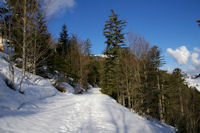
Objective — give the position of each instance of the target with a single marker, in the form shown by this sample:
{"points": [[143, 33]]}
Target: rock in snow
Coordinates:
{"points": [[43, 109]]}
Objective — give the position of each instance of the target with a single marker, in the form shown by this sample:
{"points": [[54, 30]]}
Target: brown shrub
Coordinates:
{"points": [[1, 47], [61, 89]]}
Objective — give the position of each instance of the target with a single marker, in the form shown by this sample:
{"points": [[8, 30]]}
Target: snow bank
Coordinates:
{"points": [[91, 112], [11, 99]]}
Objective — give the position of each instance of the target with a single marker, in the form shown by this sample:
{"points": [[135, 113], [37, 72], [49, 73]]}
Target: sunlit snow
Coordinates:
{"points": [[43, 109]]}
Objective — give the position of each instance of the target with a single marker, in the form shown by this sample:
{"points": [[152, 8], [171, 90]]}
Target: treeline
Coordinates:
{"points": [[24, 30], [132, 75], [129, 71], [31, 47], [72, 59]]}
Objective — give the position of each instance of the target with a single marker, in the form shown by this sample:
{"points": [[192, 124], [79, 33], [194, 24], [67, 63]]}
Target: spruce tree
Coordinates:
{"points": [[62, 47], [94, 67], [152, 90], [61, 59], [113, 32]]}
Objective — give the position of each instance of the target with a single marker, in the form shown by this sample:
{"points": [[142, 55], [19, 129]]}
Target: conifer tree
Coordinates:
{"points": [[62, 47], [94, 71], [152, 92], [113, 32], [61, 59]]}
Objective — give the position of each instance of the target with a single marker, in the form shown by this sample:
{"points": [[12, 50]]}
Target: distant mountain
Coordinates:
{"points": [[195, 76], [100, 55], [193, 81]]}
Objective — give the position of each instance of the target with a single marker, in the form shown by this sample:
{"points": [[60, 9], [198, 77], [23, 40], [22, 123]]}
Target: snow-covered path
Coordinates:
{"points": [[92, 112]]}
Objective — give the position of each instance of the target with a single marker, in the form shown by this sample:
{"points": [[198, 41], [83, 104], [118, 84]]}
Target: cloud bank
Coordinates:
{"points": [[188, 58], [181, 54], [57, 7], [195, 60]]}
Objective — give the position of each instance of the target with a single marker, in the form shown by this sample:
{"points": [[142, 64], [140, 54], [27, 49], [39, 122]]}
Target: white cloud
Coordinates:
{"points": [[196, 49], [190, 69], [56, 7], [187, 58], [181, 54], [195, 60]]}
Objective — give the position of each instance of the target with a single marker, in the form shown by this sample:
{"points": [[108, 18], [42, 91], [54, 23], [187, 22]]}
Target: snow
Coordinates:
{"points": [[193, 82], [100, 55], [87, 113], [43, 109], [68, 87], [39, 89]]}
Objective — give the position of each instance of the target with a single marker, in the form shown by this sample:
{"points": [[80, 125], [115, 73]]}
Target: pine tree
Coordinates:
{"points": [[63, 44], [61, 59], [113, 32], [94, 68], [153, 103]]}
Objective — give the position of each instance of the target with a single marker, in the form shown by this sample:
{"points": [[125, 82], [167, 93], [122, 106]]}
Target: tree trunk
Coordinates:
{"points": [[163, 99], [24, 42], [34, 70], [23, 46], [127, 88], [181, 101], [34, 55], [123, 100], [160, 99]]}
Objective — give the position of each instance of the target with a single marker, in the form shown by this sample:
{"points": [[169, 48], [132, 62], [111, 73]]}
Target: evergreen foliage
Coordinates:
{"points": [[63, 44], [130, 74], [113, 32]]}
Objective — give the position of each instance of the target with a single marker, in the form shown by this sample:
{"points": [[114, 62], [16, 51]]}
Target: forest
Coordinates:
{"points": [[129, 69]]}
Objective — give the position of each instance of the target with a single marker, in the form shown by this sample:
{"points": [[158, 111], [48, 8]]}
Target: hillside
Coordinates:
{"points": [[43, 109], [193, 82]]}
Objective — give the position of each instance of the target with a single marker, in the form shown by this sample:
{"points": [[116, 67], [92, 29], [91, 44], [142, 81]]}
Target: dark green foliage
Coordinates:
{"points": [[37, 37], [132, 75], [94, 74], [60, 59], [74, 58], [180, 103], [154, 61], [63, 44], [138, 83], [114, 40]]}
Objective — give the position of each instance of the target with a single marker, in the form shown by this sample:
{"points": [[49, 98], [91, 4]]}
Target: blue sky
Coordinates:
{"points": [[165, 23]]}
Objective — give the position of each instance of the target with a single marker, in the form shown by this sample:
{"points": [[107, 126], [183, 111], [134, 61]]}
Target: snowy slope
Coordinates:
{"points": [[10, 99], [92, 112], [43, 109], [193, 82]]}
